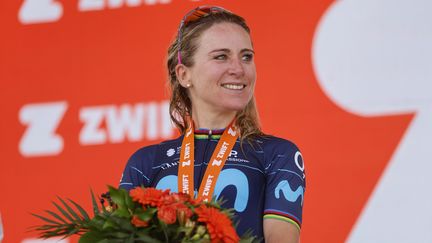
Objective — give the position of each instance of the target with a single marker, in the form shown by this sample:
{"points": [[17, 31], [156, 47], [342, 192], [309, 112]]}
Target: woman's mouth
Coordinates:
{"points": [[234, 86]]}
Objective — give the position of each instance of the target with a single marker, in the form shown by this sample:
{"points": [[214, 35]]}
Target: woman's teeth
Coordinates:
{"points": [[234, 86]]}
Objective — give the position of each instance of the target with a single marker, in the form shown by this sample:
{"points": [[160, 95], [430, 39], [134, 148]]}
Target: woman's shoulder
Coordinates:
{"points": [[282, 155], [274, 143]]}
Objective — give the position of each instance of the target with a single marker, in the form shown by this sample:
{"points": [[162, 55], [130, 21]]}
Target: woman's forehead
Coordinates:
{"points": [[226, 36]]}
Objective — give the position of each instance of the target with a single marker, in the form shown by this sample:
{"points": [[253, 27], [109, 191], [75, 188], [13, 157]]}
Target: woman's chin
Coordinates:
{"points": [[234, 107]]}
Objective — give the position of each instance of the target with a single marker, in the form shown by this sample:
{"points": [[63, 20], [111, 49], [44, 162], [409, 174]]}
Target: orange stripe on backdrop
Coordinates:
{"points": [[110, 61]]}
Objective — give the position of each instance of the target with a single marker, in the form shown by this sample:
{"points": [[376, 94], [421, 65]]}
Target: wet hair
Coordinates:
{"points": [[247, 120]]}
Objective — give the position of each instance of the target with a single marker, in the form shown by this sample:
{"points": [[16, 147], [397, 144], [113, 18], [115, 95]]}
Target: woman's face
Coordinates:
{"points": [[223, 75]]}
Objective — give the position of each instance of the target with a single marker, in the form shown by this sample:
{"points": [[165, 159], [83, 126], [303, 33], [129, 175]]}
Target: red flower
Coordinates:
{"points": [[196, 201], [138, 222], [167, 214], [176, 207], [173, 206], [174, 198], [182, 197], [167, 200], [148, 196], [137, 193], [182, 209], [218, 224], [184, 213]]}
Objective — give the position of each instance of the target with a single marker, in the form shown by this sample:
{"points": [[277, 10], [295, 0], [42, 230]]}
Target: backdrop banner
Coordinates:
{"points": [[83, 86]]}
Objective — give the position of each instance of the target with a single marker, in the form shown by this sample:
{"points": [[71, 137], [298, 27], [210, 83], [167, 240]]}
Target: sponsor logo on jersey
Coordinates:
{"points": [[170, 152], [289, 194]]}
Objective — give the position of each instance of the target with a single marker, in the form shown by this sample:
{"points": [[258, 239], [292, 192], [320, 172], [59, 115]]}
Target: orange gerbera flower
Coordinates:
{"points": [[181, 197], [167, 200], [196, 201], [167, 214], [137, 193], [218, 225], [148, 196], [183, 210]]}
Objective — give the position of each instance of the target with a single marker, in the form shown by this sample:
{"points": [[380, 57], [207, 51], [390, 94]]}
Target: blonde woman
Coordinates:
{"points": [[222, 151]]}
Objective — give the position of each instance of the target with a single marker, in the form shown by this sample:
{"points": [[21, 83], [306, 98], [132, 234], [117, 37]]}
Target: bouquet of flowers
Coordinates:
{"points": [[142, 215]]}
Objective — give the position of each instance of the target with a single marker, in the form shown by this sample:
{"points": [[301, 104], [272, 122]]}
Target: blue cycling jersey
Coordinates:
{"points": [[264, 179]]}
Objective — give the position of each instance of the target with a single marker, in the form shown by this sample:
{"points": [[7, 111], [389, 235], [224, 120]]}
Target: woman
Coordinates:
{"points": [[222, 151]]}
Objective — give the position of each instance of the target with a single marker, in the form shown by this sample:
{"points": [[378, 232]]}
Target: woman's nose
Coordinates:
{"points": [[236, 67]]}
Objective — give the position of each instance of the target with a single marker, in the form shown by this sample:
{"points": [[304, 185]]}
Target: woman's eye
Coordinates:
{"points": [[221, 57], [247, 57]]}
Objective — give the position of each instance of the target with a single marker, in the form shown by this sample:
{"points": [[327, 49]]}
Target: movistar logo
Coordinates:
{"points": [[288, 193]]}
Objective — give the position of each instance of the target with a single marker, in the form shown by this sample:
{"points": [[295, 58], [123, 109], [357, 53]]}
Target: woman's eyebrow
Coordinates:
{"points": [[228, 50], [220, 50], [247, 50]]}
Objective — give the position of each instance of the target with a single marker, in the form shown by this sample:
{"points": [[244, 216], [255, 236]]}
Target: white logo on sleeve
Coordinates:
{"points": [[233, 154], [40, 11], [42, 120], [170, 152], [298, 159]]}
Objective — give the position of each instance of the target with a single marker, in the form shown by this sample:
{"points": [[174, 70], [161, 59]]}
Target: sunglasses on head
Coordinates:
{"points": [[192, 16]]}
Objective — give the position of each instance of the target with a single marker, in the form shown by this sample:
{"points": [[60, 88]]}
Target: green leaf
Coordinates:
{"points": [[94, 203], [123, 223], [56, 216], [63, 212], [109, 241], [96, 223], [130, 239], [120, 235], [248, 237], [109, 224], [91, 237], [249, 240], [70, 210], [128, 201], [72, 232], [146, 238], [82, 211], [121, 212], [117, 196], [148, 214], [47, 219]]}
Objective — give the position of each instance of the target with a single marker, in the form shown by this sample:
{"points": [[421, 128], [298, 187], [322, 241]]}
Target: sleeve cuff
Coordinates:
{"points": [[268, 214]]}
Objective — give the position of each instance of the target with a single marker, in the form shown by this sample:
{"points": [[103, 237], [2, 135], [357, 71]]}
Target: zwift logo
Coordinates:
{"points": [[48, 11], [100, 125]]}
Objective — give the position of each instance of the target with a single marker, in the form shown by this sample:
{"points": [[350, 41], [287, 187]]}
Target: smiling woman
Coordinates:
{"points": [[212, 77], [222, 78]]}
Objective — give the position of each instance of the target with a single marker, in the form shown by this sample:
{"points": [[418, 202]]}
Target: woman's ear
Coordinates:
{"points": [[183, 75]]}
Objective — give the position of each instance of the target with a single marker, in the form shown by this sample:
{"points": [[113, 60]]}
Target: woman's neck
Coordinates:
{"points": [[212, 120]]}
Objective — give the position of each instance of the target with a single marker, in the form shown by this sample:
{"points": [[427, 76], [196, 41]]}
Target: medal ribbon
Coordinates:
{"points": [[214, 167]]}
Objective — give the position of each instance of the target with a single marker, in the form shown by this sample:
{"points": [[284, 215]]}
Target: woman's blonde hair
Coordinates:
{"points": [[247, 120]]}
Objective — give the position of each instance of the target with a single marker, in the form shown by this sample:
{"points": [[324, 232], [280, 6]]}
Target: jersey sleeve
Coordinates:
{"points": [[285, 184], [138, 168]]}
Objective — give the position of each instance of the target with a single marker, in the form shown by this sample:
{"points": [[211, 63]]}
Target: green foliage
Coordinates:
{"points": [[65, 224], [112, 223]]}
